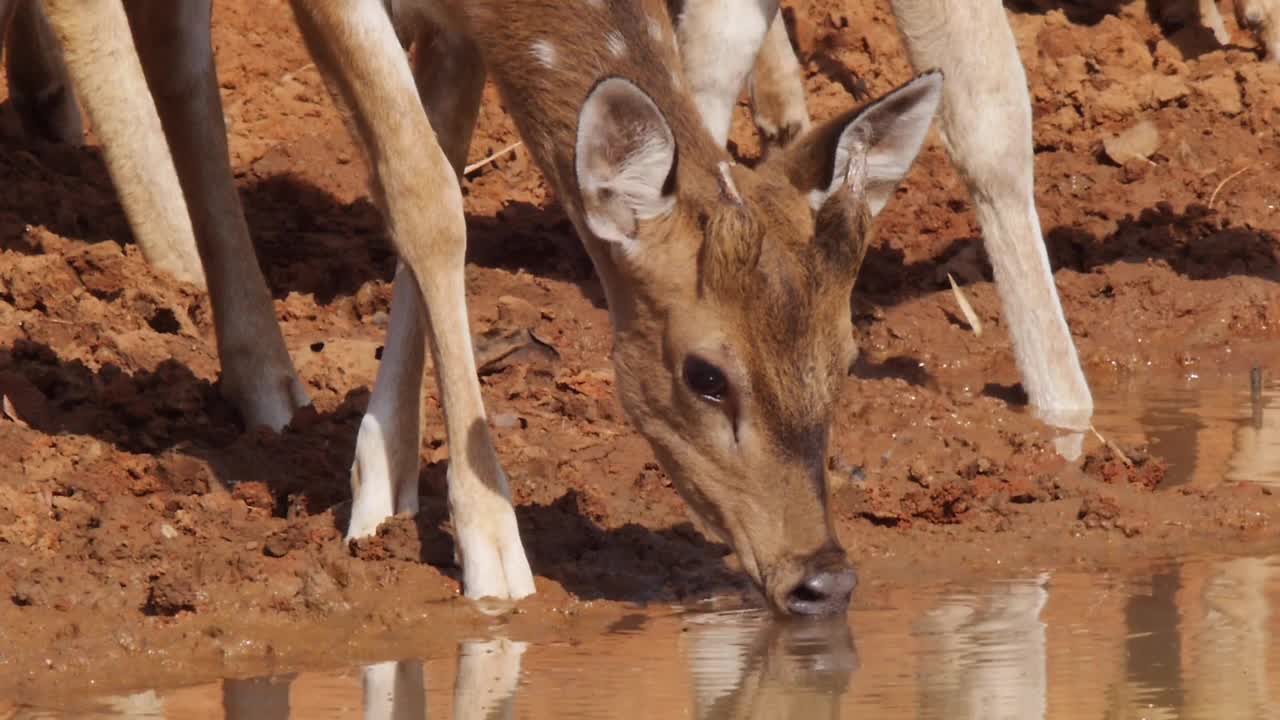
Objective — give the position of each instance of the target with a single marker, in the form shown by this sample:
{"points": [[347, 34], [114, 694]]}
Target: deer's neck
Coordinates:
{"points": [[547, 55]]}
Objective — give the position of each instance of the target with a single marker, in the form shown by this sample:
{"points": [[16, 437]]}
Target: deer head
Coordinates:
{"points": [[729, 288]]}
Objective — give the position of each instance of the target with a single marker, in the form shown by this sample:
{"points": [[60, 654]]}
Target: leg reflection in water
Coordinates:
{"points": [[983, 657], [744, 668]]}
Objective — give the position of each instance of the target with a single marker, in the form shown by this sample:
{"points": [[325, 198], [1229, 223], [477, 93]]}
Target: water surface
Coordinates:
{"points": [[1195, 639]]}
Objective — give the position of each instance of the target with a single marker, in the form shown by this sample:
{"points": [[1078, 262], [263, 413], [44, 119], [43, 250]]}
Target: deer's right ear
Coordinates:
{"points": [[625, 154]]}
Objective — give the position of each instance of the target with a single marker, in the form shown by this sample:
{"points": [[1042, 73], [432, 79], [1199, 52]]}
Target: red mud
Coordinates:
{"points": [[138, 521]]}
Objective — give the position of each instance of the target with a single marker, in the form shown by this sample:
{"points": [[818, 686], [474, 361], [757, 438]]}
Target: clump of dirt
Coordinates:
{"points": [[1113, 465], [139, 520]]}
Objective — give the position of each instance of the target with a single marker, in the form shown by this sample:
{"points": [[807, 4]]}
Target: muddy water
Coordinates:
{"points": [[1208, 427], [1195, 639]]}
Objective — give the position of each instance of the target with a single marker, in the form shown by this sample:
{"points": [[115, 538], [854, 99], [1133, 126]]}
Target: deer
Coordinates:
{"points": [[727, 285]]}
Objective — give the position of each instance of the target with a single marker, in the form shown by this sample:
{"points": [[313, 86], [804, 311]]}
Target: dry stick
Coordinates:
{"points": [[1225, 180], [1114, 448], [969, 315], [477, 165]]}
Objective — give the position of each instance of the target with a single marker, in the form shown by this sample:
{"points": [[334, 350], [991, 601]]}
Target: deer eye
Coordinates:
{"points": [[705, 379]]}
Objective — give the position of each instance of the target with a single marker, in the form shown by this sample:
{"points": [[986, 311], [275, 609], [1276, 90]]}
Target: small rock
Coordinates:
{"points": [[1134, 169], [1138, 142], [277, 545], [918, 473], [1167, 88], [506, 421], [167, 531], [1222, 92]]}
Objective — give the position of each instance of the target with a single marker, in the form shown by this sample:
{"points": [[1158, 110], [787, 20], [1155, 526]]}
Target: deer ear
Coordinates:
{"points": [[883, 137], [625, 155]]}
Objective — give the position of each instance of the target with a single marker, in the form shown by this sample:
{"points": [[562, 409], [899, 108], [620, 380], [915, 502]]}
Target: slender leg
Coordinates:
{"points": [[719, 41], [394, 690], [777, 89], [1263, 17], [488, 675], [108, 78], [986, 122], [177, 54], [414, 183], [39, 85], [260, 698], [1212, 19], [384, 477]]}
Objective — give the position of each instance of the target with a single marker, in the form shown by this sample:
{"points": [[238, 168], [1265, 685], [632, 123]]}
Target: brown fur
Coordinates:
{"points": [[765, 278]]}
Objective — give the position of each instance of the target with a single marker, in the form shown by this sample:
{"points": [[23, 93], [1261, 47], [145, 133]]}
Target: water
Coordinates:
{"points": [[1196, 639], [1208, 428]]}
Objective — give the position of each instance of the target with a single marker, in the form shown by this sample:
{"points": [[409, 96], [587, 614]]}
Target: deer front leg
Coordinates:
{"points": [[719, 41], [384, 477], [487, 679], [107, 75], [354, 41], [777, 89], [177, 55], [39, 85], [260, 698], [394, 690], [986, 123]]}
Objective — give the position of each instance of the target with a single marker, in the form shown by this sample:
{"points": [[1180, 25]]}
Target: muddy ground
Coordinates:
{"points": [[139, 523]]}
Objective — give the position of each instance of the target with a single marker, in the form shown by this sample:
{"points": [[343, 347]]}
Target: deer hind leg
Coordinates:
{"points": [[177, 55], [776, 89], [384, 476], [986, 123], [354, 41], [719, 41], [108, 78], [39, 85], [1263, 17]]}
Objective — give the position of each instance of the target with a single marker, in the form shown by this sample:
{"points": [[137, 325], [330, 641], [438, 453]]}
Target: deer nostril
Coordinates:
{"points": [[825, 592]]}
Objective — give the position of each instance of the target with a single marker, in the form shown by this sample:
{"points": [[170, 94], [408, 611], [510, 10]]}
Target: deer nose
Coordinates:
{"points": [[824, 590]]}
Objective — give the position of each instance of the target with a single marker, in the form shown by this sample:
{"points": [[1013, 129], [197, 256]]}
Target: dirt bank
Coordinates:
{"points": [[138, 521]]}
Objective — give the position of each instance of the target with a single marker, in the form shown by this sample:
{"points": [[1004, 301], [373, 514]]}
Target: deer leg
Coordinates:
{"points": [[108, 78], [719, 41], [384, 477], [1212, 19], [260, 698], [394, 690], [986, 123], [776, 89], [354, 41], [177, 55], [487, 679], [1263, 18], [39, 85]]}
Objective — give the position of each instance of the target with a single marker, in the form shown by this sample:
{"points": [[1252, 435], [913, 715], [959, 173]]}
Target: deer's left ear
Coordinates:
{"points": [[884, 137], [625, 154]]}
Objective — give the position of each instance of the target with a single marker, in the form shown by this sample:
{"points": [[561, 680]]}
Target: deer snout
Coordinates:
{"points": [[824, 588]]}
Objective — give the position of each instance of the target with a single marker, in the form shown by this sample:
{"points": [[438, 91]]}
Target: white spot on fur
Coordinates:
{"points": [[617, 46], [545, 52], [676, 81], [597, 4], [655, 31]]}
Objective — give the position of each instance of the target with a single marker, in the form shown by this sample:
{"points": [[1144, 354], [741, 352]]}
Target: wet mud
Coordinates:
{"points": [[142, 530]]}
